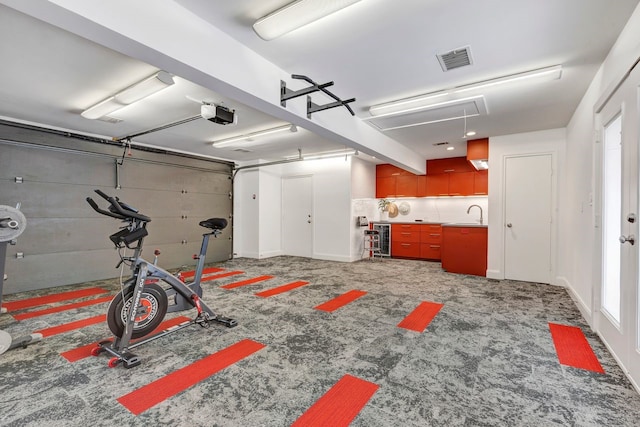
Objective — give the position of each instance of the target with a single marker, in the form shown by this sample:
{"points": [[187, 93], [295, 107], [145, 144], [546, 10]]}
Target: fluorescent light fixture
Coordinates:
{"points": [[325, 155], [136, 92], [548, 73], [251, 136], [423, 102], [405, 105], [415, 108], [295, 15]]}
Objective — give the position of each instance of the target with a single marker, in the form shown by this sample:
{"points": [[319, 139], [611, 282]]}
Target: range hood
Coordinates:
{"points": [[478, 153]]}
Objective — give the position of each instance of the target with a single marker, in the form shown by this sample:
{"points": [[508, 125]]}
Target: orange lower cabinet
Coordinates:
{"points": [[464, 250], [405, 249], [430, 251]]}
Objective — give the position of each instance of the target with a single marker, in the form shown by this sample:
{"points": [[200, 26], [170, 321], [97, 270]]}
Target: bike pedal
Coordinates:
{"points": [[226, 321]]}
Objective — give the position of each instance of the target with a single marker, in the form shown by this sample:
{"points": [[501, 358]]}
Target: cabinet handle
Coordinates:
{"points": [[449, 170], [406, 234], [436, 234], [405, 244], [434, 246]]}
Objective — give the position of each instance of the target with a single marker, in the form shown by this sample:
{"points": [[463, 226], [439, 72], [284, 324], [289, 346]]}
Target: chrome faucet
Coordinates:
{"points": [[479, 207]]}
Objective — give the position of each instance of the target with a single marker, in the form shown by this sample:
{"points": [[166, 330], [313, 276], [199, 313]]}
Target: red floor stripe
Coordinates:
{"points": [[48, 299], [246, 282], [573, 349], [419, 319], [66, 327], [153, 393], [221, 275], [340, 405], [340, 301], [281, 289], [83, 352], [192, 273], [31, 314]]}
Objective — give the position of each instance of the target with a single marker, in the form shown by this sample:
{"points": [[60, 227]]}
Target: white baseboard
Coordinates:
{"points": [[619, 362], [495, 274], [270, 254], [329, 257], [584, 308]]}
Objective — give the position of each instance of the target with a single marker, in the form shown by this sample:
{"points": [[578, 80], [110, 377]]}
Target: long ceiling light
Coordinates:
{"points": [[251, 136], [417, 103], [541, 74], [405, 105], [136, 92], [295, 15], [325, 155]]}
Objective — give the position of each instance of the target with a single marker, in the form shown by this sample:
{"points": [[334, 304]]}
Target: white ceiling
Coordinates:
{"points": [[373, 51]]}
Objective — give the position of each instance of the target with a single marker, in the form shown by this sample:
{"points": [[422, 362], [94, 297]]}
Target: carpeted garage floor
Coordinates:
{"points": [[486, 358]]}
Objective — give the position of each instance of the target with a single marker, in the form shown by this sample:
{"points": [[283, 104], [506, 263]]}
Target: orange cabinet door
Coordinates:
{"points": [[405, 249], [385, 186], [430, 251], [461, 184], [438, 185], [406, 186], [387, 170], [464, 250], [481, 183], [422, 186]]}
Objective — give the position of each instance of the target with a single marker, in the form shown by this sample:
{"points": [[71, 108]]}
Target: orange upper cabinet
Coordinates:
{"points": [[461, 184], [478, 153], [481, 183], [406, 186], [445, 177]]}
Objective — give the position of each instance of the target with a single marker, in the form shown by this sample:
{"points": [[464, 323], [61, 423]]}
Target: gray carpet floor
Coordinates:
{"points": [[486, 359]]}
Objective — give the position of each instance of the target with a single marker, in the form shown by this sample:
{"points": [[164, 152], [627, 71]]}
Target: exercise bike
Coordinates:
{"points": [[140, 306]]}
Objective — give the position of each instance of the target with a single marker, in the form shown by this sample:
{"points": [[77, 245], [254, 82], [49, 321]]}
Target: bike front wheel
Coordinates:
{"points": [[149, 313]]}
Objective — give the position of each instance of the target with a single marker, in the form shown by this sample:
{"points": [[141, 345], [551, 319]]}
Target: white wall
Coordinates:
{"points": [[579, 250], [548, 141], [258, 226]]}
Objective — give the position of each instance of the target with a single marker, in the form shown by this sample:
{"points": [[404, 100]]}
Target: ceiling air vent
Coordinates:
{"points": [[438, 144], [455, 59], [242, 150]]}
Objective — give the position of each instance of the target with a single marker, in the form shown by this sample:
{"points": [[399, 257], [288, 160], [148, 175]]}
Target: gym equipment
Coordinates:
{"points": [[150, 292], [12, 225]]}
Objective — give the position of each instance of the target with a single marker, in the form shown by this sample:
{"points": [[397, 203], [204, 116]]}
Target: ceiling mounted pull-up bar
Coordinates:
{"points": [[286, 94]]}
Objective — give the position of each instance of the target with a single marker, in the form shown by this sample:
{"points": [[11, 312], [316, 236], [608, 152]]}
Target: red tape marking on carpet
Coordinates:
{"points": [[192, 273], [281, 289], [157, 391], [221, 275], [246, 282], [31, 314], [573, 349], [340, 405], [66, 327], [48, 299], [83, 352], [340, 301], [419, 319]]}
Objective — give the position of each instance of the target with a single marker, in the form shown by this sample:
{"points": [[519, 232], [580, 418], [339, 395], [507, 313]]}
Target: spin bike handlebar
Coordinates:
{"points": [[120, 211]]}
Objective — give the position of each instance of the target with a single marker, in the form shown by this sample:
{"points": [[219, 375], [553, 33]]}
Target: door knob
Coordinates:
{"points": [[630, 238], [509, 225]]}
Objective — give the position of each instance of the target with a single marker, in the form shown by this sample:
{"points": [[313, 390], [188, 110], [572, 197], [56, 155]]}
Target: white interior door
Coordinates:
{"points": [[616, 305], [528, 210], [297, 220]]}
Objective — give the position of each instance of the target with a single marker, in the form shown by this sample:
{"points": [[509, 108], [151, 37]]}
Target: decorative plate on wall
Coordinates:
{"points": [[393, 210], [404, 208]]}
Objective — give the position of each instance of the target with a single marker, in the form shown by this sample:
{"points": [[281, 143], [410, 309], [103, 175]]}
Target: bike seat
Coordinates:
{"points": [[214, 223]]}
